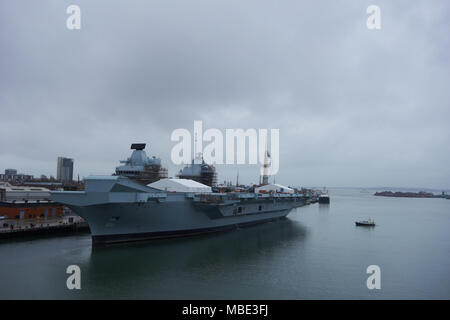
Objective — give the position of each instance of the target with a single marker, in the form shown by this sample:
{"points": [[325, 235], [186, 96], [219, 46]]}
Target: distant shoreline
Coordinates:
{"points": [[420, 194]]}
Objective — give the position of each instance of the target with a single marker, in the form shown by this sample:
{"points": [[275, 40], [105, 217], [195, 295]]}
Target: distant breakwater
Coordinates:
{"points": [[420, 194]]}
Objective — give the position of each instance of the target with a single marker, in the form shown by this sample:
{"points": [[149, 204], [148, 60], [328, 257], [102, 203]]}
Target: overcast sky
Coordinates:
{"points": [[355, 107]]}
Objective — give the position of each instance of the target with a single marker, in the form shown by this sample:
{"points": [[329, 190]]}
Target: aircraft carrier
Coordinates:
{"points": [[120, 209]]}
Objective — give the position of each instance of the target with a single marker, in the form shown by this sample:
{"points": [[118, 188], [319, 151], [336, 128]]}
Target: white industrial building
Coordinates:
{"points": [[268, 188], [9, 192], [180, 185]]}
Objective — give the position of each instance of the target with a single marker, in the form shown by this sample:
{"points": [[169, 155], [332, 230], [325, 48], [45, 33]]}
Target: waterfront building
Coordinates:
{"points": [[64, 172], [10, 172], [19, 202], [11, 175]]}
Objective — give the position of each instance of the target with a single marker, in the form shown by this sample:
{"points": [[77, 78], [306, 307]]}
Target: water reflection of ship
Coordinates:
{"points": [[199, 171], [141, 168], [212, 255]]}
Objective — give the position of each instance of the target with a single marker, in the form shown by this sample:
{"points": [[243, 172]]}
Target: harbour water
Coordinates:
{"points": [[316, 253]]}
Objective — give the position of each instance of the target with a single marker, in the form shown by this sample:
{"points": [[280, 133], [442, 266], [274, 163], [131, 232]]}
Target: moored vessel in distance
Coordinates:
{"points": [[365, 223], [121, 209], [324, 199]]}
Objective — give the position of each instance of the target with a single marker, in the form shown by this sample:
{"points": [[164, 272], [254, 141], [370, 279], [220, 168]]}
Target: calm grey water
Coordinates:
{"points": [[316, 253]]}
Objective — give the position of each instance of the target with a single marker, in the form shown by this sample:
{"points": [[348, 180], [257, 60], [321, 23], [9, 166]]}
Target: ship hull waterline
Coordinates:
{"points": [[121, 230], [103, 240]]}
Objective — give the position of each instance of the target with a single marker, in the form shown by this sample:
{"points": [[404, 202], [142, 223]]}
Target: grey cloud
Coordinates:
{"points": [[354, 107]]}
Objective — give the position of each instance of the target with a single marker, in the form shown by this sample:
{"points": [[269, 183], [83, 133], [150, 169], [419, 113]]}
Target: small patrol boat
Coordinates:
{"points": [[365, 223]]}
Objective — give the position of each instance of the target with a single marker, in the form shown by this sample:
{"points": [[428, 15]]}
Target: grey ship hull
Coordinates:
{"points": [[120, 210]]}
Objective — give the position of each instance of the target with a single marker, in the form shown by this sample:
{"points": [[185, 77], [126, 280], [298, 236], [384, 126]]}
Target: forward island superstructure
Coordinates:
{"points": [[141, 168]]}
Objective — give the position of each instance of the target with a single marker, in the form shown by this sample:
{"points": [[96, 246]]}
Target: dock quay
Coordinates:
{"points": [[10, 229]]}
